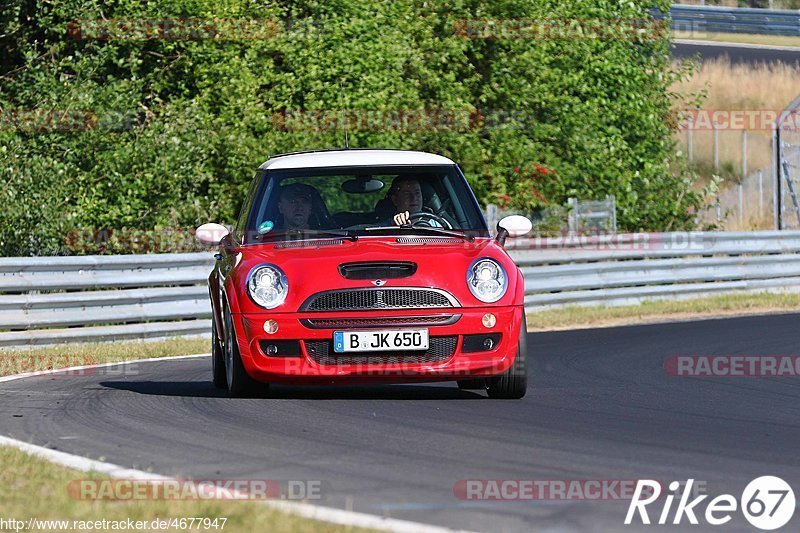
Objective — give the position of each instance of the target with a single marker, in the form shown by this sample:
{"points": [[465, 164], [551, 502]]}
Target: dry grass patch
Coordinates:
{"points": [[16, 361], [738, 87], [34, 488]]}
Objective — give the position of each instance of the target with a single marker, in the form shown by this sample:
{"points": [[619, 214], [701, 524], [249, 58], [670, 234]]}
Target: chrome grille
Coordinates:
{"points": [[439, 349], [385, 298]]}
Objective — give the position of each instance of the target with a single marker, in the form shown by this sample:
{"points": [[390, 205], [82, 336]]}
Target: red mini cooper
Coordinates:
{"points": [[365, 266]]}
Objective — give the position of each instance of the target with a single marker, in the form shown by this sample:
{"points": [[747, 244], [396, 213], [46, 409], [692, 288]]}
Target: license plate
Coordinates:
{"points": [[380, 340]]}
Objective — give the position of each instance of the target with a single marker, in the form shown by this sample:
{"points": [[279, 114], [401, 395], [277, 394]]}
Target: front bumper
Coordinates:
{"points": [[447, 359]]}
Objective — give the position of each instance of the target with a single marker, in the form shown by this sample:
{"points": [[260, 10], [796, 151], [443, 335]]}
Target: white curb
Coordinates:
{"points": [[306, 510]]}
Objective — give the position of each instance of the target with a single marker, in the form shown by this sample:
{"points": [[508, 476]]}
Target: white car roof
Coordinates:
{"points": [[354, 157]]}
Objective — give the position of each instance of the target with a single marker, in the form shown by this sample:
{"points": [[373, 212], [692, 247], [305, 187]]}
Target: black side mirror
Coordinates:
{"points": [[502, 234], [512, 226]]}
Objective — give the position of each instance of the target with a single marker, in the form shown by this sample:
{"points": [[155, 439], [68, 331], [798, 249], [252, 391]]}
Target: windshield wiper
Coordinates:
{"points": [[439, 231], [307, 234]]}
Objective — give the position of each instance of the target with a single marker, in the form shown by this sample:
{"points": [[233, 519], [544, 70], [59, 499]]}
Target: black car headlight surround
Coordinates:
{"points": [[267, 285], [487, 280]]}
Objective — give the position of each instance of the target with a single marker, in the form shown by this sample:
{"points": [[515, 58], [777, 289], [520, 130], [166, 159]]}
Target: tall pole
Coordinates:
{"points": [[744, 154], [716, 146], [776, 175]]}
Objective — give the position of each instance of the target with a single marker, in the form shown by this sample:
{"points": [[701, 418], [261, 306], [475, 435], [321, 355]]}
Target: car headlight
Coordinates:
{"points": [[487, 280], [268, 286]]}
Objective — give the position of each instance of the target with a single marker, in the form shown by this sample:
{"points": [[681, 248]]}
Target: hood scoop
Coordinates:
{"points": [[377, 269]]}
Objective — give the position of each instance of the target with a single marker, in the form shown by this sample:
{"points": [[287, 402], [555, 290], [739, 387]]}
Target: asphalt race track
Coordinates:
{"points": [[600, 407], [736, 54]]}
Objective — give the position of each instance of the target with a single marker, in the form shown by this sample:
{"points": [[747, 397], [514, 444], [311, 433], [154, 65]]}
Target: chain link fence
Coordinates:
{"points": [[787, 135], [579, 216], [751, 203]]}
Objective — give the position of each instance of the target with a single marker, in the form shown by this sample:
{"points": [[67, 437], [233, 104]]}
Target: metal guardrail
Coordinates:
{"points": [[52, 300], [734, 20], [630, 268]]}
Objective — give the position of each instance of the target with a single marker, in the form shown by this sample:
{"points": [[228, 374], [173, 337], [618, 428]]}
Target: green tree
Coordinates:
{"points": [[175, 128]]}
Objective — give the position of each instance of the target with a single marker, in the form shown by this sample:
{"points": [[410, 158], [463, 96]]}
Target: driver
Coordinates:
{"points": [[295, 205], [406, 195]]}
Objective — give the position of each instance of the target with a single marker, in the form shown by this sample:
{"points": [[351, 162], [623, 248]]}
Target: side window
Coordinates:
{"points": [[241, 223]]}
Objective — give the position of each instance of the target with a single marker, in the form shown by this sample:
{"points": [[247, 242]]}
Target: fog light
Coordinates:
{"points": [[271, 349], [489, 320], [271, 326], [488, 344]]}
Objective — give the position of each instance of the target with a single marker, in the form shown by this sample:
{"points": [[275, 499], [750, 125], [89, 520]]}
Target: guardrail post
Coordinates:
{"points": [[744, 154], [716, 145], [572, 215], [776, 177], [741, 203]]}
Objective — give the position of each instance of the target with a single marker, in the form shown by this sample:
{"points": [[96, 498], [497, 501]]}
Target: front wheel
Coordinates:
{"points": [[240, 384], [217, 358], [513, 383]]}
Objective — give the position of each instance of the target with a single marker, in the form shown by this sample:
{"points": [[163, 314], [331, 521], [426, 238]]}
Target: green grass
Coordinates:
{"points": [[33, 487], [744, 38], [656, 311], [15, 361]]}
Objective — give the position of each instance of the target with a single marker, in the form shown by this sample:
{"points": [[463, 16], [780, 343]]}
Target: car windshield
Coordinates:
{"points": [[353, 201]]}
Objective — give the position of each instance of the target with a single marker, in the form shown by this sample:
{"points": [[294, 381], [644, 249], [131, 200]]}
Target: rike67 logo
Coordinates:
{"points": [[767, 503]]}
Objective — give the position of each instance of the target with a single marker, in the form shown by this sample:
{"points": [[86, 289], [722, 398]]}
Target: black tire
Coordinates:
{"points": [[472, 384], [239, 382], [217, 358], [513, 383]]}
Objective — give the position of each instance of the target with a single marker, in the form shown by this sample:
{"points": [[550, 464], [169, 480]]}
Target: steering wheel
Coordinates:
{"points": [[430, 220]]}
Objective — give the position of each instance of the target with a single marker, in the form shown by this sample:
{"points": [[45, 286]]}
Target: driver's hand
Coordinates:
{"points": [[402, 219]]}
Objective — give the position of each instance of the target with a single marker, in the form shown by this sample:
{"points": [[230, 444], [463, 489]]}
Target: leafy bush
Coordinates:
{"points": [[167, 133]]}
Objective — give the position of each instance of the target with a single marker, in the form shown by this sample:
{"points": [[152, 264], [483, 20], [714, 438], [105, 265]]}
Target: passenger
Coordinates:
{"points": [[295, 206]]}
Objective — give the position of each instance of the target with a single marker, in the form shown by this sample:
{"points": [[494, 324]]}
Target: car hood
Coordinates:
{"points": [[313, 266]]}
